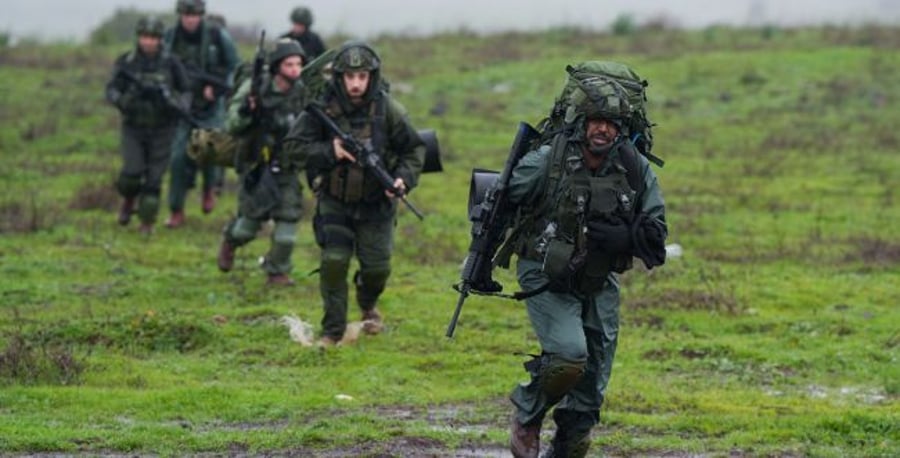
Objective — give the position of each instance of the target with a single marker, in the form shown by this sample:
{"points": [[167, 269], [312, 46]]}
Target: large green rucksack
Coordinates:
{"points": [[638, 126]]}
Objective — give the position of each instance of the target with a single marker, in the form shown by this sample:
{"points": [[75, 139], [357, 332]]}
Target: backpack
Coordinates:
{"points": [[638, 125]]}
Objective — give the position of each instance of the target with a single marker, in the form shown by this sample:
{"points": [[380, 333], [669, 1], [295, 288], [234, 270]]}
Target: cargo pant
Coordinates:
{"points": [[286, 212], [145, 157], [341, 232], [574, 329]]}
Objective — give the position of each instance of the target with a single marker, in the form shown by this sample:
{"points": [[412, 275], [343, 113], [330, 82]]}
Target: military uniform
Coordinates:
{"points": [[564, 247], [146, 89], [208, 49], [264, 154], [353, 214], [310, 41]]}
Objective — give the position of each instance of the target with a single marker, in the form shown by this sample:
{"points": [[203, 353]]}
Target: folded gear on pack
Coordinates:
{"points": [[213, 147]]}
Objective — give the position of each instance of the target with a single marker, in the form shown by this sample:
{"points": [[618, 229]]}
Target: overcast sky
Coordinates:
{"points": [[73, 19]]}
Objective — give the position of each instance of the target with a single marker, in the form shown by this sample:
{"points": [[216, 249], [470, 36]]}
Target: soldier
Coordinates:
{"points": [[590, 203], [302, 20], [145, 87], [263, 120], [354, 213], [209, 56]]}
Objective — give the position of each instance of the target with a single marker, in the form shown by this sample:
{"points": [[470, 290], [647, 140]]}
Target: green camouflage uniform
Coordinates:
{"points": [[209, 49], [264, 138], [353, 214], [148, 123]]}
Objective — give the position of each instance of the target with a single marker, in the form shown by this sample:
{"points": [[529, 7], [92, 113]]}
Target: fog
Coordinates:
{"points": [[74, 19]]}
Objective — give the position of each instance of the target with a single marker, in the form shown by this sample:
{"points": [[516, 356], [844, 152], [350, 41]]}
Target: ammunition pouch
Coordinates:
{"points": [[346, 183]]}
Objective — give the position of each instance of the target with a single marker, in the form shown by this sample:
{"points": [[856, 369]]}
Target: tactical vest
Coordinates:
{"points": [[208, 55], [149, 109], [351, 182], [281, 110], [554, 231]]}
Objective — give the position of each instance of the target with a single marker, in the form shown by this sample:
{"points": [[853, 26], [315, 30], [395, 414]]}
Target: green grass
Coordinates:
{"points": [[774, 335]]}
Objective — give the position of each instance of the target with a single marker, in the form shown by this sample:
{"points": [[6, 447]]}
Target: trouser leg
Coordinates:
{"points": [[374, 243], [182, 169], [278, 259]]}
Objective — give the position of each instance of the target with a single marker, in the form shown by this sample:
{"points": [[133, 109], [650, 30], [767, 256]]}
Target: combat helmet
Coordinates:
{"points": [[285, 47], [598, 97], [150, 25], [190, 7], [356, 55], [302, 15]]}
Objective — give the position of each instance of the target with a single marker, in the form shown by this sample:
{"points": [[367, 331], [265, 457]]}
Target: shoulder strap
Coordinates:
{"points": [[378, 123], [628, 157]]}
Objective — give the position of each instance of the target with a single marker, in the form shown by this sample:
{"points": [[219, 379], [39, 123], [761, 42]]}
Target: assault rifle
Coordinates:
{"points": [[220, 85], [365, 155], [163, 91], [490, 212]]}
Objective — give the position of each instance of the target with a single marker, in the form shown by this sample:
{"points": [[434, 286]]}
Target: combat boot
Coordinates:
{"points": [[126, 210], [524, 440], [176, 220], [226, 256], [209, 201], [372, 322], [146, 229], [279, 280]]}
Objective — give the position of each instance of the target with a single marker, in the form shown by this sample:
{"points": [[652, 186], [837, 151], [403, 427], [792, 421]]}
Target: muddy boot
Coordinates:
{"points": [[126, 210], [524, 440], [279, 280], [372, 322], [573, 434], [209, 201], [225, 260], [176, 220], [326, 342], [146, 229]]}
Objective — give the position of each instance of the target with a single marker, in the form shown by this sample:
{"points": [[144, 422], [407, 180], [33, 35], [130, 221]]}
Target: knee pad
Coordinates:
{"points": [[285, 233], [241, 231], [372, 281], [559, 375], [148, 208], [128, 185], [333, 269]]}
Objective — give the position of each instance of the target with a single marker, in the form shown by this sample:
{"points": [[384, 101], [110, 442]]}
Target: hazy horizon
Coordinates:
{"points": [[73, 20]]}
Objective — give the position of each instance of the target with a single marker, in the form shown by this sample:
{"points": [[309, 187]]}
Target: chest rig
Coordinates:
{"points": [[573, 196], [281, 111], [150, 108], [349, 182]]}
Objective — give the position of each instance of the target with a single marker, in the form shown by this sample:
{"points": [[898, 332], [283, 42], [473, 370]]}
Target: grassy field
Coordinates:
{"points": [[775, 334]]}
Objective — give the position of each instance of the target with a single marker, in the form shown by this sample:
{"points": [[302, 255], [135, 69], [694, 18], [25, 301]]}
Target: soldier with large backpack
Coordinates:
{"points": [[588, 203], [146, 87], [261, 113], [210, 57]]}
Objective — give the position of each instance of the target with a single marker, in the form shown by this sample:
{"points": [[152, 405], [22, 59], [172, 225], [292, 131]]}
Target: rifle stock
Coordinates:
{"points": [[368, 158], [490, 218]]}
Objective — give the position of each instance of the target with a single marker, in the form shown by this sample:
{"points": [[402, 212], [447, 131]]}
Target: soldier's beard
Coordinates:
{"points": [[600, 147]]}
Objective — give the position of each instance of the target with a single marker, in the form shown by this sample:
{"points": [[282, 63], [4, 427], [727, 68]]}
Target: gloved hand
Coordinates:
{"points": [[609, 236], [650, 241]]}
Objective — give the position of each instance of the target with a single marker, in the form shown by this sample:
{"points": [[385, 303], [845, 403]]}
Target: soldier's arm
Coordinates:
{"points": [[406, 143], [650, 230], [117, 84], [237, 122], [229, 54], [180, 81], [308, 145], [529, 176]]}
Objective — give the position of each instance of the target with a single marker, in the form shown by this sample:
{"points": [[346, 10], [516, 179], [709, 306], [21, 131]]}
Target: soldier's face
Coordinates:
{"points": [[356, 83], [149, 44], [190, 22], [600, 133], [291, 67], [298, 28]]}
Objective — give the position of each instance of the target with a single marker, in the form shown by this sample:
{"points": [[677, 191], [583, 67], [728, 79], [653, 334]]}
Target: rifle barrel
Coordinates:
{"points": [[463, 294]]}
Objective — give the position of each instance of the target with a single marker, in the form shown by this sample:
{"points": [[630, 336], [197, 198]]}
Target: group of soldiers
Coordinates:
{"points": [[585, 181]]}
